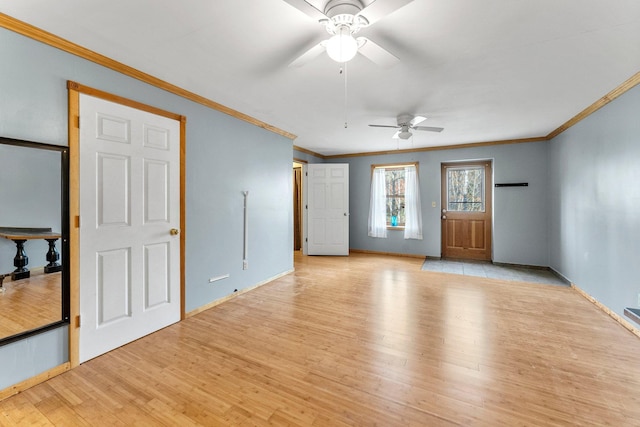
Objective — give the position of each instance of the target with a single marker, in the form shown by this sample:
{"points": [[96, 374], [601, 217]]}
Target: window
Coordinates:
{"points": [[465, 189], [395, 188], [395, 200]]}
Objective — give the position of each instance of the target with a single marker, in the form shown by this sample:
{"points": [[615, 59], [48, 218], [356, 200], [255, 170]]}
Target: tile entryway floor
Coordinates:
{"points": [[493, 271]]}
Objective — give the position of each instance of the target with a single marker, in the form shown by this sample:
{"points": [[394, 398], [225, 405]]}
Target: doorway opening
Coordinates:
{"points": [[297, 205]]}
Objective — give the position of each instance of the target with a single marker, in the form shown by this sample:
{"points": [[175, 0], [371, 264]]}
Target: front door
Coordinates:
{"points": [[466, 210], [129, 221], [328, 209]]}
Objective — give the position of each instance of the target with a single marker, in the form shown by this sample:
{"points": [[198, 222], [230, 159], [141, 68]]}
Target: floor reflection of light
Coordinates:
{"points": [[391, 311], [465, 326]]}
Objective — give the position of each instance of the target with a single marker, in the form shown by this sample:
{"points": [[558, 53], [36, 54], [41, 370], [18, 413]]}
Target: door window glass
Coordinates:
{"points": [[465, 189]]}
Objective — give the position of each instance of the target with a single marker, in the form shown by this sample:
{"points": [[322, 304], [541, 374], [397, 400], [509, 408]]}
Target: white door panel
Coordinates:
{"points": [[156, 191], [113, 198], [129, 202], [113, 286], [156, 272], [328, 209]]}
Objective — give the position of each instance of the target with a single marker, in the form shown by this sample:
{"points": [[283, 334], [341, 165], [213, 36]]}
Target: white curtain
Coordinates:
{"points": [[378, 205], [412, 211]]}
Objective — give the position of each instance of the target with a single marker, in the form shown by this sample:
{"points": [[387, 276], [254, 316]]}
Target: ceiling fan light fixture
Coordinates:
{"points": [[405, 134], [342, 47]]}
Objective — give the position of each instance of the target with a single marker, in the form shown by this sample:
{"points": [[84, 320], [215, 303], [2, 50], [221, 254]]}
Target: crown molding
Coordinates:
{"points": [[52, 40], [440, 147], [615, 93]]}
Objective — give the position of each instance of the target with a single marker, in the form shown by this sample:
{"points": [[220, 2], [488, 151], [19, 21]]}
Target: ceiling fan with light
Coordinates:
{"points": [[342, 19], [406, 123]]}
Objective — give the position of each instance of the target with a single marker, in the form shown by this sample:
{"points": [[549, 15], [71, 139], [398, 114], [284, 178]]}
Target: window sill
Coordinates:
{"points": [[398, 227]]}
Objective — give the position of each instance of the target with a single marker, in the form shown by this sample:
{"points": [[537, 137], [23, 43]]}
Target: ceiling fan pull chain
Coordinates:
{"points": [[345, 96]]}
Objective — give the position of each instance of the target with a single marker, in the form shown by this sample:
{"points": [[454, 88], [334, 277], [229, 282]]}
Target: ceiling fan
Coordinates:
{"points": [[342, 19], [406, 123]]}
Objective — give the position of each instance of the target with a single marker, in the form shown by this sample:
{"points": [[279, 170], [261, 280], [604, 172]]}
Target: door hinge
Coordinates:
{"points": [[78, 321], [77, 221], [306, 206], [78, 122], [306, 174], [306, 240]]}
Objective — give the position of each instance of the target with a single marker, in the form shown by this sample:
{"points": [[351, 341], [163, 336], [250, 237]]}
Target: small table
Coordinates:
{"points": [[20, 235]]}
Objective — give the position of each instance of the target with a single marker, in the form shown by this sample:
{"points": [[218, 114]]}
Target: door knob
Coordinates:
{"points": [[444, 217], [174, 232]]}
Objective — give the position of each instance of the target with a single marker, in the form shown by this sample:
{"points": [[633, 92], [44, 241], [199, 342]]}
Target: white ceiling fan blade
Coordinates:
{"points": [[417, 120], [375, 53], [308, 9], [429, 128], [385, 126], [308, 56], [379, 9]]}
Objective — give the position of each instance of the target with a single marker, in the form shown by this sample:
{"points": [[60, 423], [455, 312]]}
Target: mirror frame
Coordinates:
{"points": [[64, 219]]}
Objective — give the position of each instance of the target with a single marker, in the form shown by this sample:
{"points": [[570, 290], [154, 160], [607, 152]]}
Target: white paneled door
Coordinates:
{"points": [[328, 209], [129, 224]]}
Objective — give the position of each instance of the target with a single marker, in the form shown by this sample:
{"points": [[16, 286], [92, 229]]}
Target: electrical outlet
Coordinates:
{"points": [[245, 265], [638, 300], [433, 204]]}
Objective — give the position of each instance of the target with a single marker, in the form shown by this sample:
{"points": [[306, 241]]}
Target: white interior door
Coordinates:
{"points": [[328, 209], [129, 204]]}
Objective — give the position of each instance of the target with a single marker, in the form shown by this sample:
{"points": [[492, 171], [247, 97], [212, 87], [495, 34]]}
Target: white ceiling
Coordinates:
{"points": [[486, 70]]}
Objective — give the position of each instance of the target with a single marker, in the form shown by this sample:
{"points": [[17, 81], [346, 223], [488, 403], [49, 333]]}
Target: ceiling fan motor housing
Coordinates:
{"points": [[344, 14], [404, 120], [342, 7]]}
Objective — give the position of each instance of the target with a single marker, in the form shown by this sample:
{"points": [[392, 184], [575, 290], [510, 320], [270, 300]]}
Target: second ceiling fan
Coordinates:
{"points": [[406, 123], [342, 19]]}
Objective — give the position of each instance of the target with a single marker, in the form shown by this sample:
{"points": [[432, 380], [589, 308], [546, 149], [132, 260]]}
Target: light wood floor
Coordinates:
{"points": [[30, 303], [364, 340]]}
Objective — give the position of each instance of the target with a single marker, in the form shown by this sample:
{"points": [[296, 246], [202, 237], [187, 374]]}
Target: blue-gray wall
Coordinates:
{"points": [[594, 195], [225, 157], [520, 214]]}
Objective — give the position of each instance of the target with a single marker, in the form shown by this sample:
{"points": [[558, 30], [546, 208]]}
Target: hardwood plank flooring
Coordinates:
{"points": [[30, 303], [362, 340]]}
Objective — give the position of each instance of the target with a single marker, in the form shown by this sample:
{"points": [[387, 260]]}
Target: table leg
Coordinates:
{"points": [[52, 256], [20, 261]]}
